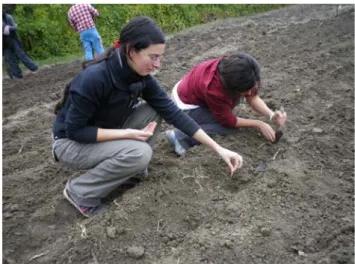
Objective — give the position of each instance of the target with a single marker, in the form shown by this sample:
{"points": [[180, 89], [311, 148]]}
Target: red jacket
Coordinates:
{"points": [[202, 86]]}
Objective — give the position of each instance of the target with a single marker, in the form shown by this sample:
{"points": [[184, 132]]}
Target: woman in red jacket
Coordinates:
{"points": [[210, 91]]}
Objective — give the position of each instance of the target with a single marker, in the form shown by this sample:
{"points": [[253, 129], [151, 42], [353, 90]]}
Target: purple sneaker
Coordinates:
{"points": [[84, 210]]}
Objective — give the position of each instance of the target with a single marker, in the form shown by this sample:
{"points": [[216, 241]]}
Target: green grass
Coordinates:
{"points": [[51, 61], [60, 59]]}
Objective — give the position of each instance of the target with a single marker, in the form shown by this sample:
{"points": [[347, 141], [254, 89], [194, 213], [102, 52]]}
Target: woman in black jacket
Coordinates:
{"points": [[111, 113]]}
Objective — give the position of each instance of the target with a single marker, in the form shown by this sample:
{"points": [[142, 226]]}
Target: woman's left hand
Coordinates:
{"points": [[279, 118], [233, 159]]}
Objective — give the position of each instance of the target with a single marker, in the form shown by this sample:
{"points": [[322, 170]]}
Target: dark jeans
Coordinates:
{"points": [[207, 121], [12, 57]]}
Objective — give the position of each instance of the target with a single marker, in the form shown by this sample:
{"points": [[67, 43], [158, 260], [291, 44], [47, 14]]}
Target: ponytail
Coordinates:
{"points": [[61, 103]]}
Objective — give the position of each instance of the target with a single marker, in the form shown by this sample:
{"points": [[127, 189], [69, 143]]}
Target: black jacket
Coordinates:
{"points": [[103, 96]]}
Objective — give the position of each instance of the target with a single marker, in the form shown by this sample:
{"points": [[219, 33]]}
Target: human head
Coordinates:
{"points": [[9, 8], [239, 73], [143, 43]]}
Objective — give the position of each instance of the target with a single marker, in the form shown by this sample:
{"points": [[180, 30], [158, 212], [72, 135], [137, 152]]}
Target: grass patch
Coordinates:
{"points": [[60, 59]]}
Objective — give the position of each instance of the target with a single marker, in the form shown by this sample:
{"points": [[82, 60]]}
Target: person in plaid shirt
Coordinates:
{"points": [[81, 18]]}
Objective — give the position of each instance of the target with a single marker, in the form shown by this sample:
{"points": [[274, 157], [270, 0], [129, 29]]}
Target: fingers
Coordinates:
{"points": [[269, 134], [234, 164], [280, 117], [150, 127], [143, 135], [272, 136], [231, 168]]}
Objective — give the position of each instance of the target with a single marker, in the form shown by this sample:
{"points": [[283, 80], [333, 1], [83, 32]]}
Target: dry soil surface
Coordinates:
{"points": [[292, 202]]}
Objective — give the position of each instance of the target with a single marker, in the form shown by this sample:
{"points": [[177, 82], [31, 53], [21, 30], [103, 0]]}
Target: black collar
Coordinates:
{"points": [[121, 74]]}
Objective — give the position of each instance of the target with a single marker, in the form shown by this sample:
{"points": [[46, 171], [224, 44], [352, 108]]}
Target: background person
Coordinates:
{"points": [[12, 49], [81, 18]]}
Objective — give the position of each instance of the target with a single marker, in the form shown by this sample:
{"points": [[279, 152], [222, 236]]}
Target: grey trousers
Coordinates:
{"points": [[204, 117], [110, 163]]}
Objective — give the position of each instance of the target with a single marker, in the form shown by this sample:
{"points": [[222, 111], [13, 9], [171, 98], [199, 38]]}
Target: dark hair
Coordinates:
{"points": [[239, 73], [140, 33], [137, 34]]}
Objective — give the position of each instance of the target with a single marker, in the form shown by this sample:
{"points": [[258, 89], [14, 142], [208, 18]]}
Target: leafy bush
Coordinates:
{"points": [[45, 31]]}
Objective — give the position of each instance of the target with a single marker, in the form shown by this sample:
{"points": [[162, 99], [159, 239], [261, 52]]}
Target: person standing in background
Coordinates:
{"points": [[81, 19], [12, 49]]}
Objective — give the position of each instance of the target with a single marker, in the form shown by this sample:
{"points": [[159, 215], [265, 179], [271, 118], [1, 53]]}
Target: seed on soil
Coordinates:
{"points": [[292, 139], [317, 130], [14, 208], [7, 215], [165, 239], [111, 232], [265, 231], [135, 252], [271, 184], [228, 244], [324, 261]]}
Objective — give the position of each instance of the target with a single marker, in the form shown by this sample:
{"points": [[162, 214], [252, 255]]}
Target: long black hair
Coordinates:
{"points": [[137, 34], [239, 73]]}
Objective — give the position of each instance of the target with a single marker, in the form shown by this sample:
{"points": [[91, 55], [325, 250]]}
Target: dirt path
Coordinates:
{"points": [[299, 209]]}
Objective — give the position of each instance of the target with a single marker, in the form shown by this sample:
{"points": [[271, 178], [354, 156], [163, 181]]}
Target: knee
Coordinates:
{"points": [[144, 156], [138, 155]]}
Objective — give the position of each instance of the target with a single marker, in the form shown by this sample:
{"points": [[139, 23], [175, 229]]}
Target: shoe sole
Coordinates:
{"points": [[70, 200]]}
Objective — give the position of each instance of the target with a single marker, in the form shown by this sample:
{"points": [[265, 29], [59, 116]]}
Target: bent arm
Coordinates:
{"points": [[244, 122], [12, 24], [258, 105], [205, 139], [93, 11]]}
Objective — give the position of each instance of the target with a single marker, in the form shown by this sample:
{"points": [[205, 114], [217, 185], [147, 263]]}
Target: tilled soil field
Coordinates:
{"points": [[292, 202]]}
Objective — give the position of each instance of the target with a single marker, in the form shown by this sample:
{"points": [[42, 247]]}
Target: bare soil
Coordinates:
{"points": [[292, 202]]}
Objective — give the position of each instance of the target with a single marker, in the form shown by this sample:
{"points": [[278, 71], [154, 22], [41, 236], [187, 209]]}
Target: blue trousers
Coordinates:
{"points": [[207, 121], [12, 57], [91, 42]]}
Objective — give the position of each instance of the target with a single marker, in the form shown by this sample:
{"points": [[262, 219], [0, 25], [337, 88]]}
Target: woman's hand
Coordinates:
{"points": [[233, 159], [137, 134], [279, 118], [150, 127], [267, 131], [142, 135]]}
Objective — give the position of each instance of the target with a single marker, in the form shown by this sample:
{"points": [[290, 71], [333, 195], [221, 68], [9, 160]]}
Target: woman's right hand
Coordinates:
{"points": [[267, 131], [143, 134], [137, 134], [233, 159]]}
